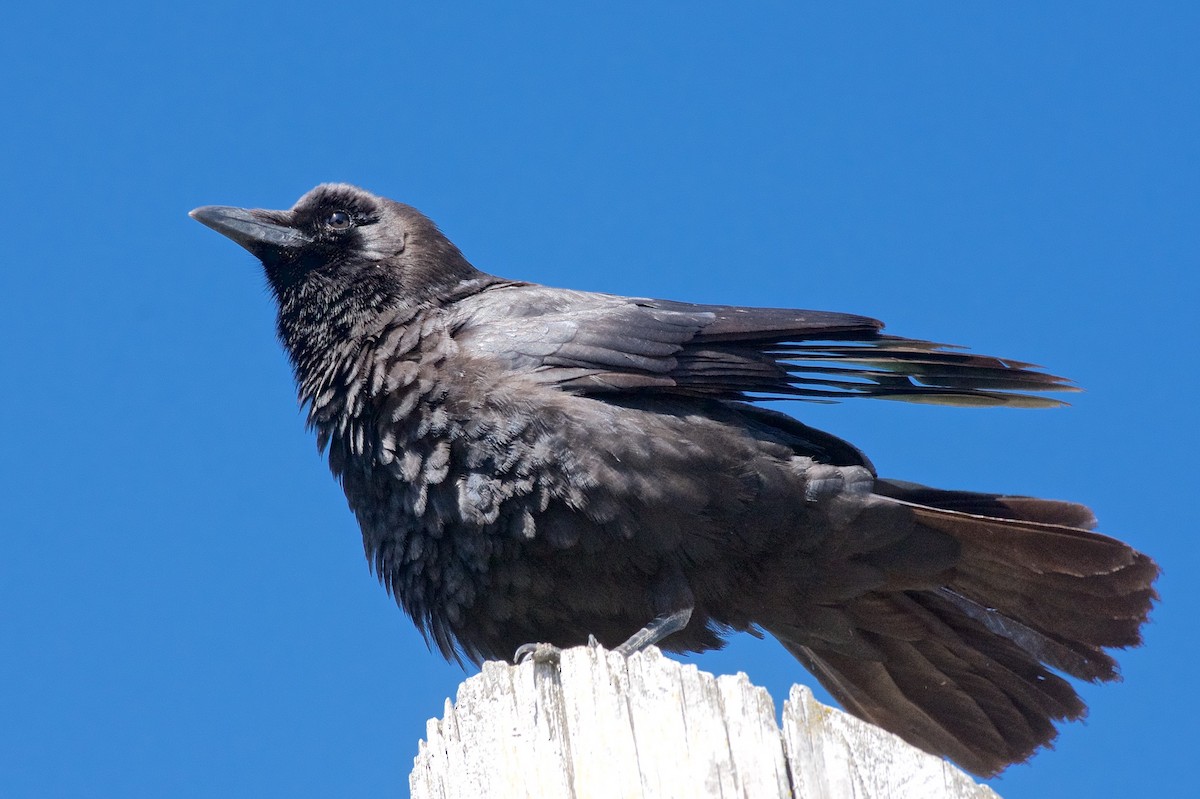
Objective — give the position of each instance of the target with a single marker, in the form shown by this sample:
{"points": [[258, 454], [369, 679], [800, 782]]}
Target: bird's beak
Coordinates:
{"points": [[251, 229]]}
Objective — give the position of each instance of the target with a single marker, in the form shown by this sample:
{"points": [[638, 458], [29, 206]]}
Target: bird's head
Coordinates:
{"points": [[340, 242]]}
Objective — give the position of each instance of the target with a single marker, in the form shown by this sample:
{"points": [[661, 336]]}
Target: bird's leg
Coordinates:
{"points": [[659, 628], [675, 603]]}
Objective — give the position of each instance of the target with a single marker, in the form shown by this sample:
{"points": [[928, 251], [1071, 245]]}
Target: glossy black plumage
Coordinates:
{"points": [[537, 464]]}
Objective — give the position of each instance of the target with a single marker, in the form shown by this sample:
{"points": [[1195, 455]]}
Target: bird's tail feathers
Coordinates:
{"points": [[966, 667]]}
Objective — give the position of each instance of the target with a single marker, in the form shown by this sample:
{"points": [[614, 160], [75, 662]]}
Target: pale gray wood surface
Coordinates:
{"points": [[602, 725]]}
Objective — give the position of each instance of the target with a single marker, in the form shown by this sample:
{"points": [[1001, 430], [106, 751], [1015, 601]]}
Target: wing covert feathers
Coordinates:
{"points": [[600, 343]]}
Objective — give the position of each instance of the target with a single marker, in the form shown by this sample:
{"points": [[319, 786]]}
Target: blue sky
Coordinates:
{"points": [[184, 605]]}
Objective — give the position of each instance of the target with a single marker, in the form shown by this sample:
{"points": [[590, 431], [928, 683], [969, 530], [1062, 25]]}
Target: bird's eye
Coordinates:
{"points": [[339, 220]]}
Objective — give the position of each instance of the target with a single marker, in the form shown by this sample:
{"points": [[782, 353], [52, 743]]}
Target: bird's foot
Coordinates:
{"points": [[538, 653], [546, 653]]}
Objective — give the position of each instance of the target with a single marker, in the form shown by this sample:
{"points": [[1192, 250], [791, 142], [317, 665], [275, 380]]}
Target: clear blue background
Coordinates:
{"points": [[184, 605]]}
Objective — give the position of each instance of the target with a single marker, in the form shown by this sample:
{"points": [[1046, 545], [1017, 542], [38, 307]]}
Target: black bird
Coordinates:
{"points": [[531, 464]]}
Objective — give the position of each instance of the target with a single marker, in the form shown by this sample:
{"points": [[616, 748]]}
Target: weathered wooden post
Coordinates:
{"points": [[602, 725]]}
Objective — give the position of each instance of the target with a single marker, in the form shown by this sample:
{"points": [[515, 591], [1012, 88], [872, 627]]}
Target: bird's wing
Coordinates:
{"points": [[598, 343]]}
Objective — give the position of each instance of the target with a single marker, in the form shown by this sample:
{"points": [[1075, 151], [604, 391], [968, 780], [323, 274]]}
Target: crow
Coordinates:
{"points": [[536, 467]]}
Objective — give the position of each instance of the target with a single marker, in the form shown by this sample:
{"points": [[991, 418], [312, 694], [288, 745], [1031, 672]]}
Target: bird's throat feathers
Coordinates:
{"points": [[319, 315]]}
